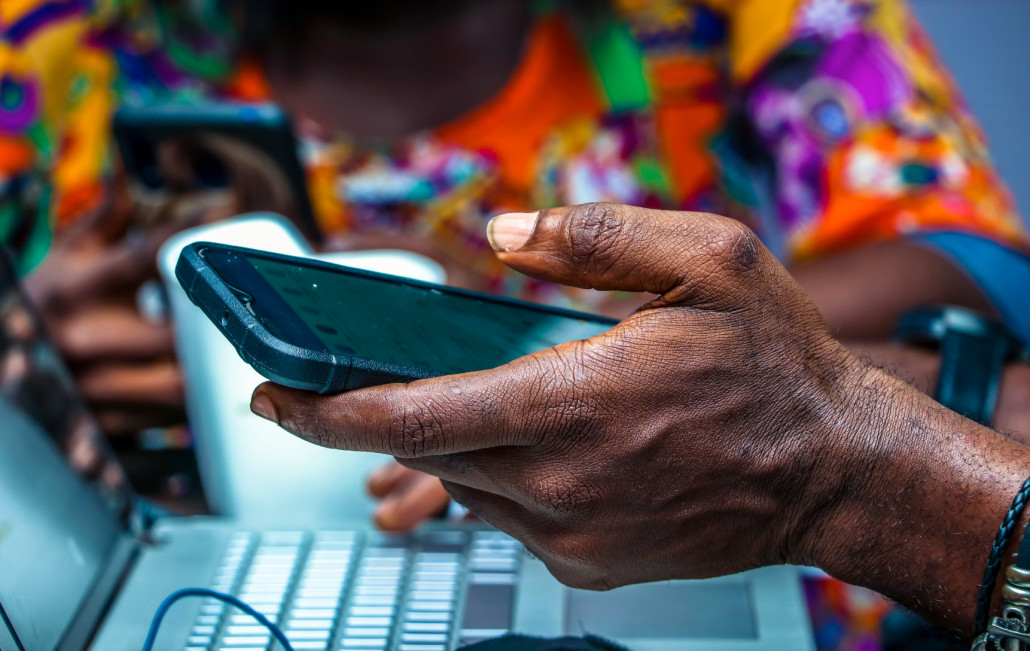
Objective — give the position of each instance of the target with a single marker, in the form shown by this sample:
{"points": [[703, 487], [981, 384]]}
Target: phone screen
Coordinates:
{"points": [[393, 321]]}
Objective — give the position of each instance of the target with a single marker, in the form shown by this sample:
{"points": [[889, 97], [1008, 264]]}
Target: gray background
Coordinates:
{"points": [[986, 43]]}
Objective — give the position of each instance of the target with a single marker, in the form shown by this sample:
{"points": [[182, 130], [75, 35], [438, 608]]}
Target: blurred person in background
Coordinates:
{"points": [[422, 119]]}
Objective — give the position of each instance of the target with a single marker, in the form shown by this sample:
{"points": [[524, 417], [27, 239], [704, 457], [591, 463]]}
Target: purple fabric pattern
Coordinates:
{"points": [[854, 78]]}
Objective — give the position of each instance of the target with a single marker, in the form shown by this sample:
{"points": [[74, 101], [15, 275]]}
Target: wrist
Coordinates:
{"points": [[919, 495], [859, 445]]}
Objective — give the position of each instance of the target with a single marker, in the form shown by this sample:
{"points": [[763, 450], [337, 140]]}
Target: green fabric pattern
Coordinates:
{"points": [[618, 61]]}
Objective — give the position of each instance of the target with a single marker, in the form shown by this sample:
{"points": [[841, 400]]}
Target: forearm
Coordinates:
{"points": [[916, 517], [861, 293]]}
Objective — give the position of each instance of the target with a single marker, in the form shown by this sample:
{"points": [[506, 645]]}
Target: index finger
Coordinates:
{"points": [[445, 415]]}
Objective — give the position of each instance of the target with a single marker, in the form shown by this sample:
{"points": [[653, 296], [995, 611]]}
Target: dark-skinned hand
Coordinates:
{"points": [[561, 448], [717, 429]]}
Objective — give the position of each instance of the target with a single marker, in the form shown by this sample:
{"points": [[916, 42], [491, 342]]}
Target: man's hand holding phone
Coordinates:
{"points": [[717, 429], [603, 454]]}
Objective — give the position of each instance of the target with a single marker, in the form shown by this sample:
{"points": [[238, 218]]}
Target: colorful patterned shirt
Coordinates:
{"points": [[664, 103]]}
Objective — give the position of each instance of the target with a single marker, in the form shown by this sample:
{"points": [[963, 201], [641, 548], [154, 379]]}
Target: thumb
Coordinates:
{"points": [[694, 258]]}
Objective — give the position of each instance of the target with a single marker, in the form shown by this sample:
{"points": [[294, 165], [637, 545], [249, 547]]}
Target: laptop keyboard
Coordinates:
{"points": [[346, 591]]}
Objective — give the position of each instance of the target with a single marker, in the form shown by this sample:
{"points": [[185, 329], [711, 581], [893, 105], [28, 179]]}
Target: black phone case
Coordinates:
{"points": [[293, 366]]}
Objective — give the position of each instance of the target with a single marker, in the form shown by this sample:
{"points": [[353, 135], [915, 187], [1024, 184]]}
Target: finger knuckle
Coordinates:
{"points": [[418, 431], [595, 233], [573, 416], [566, 495], [733, 245]]}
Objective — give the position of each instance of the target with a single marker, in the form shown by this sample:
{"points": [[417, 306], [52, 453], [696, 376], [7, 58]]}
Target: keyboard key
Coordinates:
{"points": [[365, 600], [323, 562], [198, 640], [426, 627], [252, 599], [428, 617], [365, 632], [425, 595], [316, 603], [203, 630], [272, 567], [343, 554], [207, 620], [363, 643], [313, 613], [268, 610], [245, 620], [250, 629], [312, 634], [437, 567], [368, 590], [313, 624], [242, 648], [371, 560], [495, 564], [372, 611], [449, 577], [436, 638], [434, 585], [270, 579], [378, 580], [496, 578], [274, 589], [319, 593], [275, 558], [430, 605], [423, 647], [370, 563], [386, 552], [247, 640], [309, 644], [195, 648], [325, 583], [277, 575], [384, 572], [430, 557], [369, 621]]}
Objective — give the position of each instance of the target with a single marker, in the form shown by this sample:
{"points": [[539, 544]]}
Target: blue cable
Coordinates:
{"points": [[162, 610]]}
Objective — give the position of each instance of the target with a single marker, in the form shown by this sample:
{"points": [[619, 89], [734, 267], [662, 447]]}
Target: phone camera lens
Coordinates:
{"points": [[225, 318]]}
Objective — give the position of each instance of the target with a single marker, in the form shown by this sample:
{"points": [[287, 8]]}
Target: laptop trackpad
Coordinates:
{"points": [[664, 610]]}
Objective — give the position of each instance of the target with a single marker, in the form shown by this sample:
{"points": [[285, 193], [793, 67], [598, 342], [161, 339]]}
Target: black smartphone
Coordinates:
{"points": [[171, 150], [329, 328]]}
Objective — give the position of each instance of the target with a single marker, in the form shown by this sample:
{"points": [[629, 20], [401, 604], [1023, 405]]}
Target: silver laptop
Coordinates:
{"points": [[250, 470], [83, 564]]}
